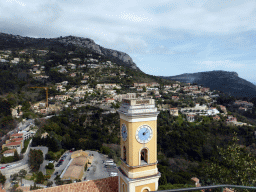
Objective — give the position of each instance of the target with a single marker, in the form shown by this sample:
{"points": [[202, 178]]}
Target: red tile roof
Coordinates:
{"points": [[9, 151], [109, 184], [17, 135], [16, 139], [13, 143]]}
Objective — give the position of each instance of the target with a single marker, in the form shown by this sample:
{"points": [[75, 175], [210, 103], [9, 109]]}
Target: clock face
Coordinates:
{"points": [[124, 132], [144, 134]]}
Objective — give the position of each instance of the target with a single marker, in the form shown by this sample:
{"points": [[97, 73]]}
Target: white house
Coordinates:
{"points": [[9, 153], [212, 111]]}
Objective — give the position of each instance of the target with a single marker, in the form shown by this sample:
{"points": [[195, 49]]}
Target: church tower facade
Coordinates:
{"points": [[138, 128]]}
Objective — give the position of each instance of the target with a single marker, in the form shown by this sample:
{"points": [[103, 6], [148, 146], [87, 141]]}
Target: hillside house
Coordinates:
{"points": [[72, 74], [76, 59], [59, 87], [64, 83], [204, 89], [174, 112], [190, 117], [62, 97], [43, 111], [242, 109], [109, 100], [140, 84], [31, 61], [216, 118], [13, 145], [212, 111], [62, 70], [9, 153], [175, 85], [26, 134], [175, 98], [153, 84], [223, 108], [231, 120], [167, 87], [151, 89], [86, 77], [245, 104]]}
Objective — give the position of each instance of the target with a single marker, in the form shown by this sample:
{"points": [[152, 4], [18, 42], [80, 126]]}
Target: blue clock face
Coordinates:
{"points": [[124, 132], [144, 134]]}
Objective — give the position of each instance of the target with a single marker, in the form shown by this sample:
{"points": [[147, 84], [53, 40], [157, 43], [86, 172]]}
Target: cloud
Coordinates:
{"points": [[134, 18], [15, 1], [221, 64]]}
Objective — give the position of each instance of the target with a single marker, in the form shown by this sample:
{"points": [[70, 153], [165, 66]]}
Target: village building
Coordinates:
{"points": [[190, 117], [174, 112], [175, 98], [216, 118], [9, 153]]}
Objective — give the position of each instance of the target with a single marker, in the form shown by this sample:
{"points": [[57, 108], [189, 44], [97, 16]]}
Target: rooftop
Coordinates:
{"points": [[109, 184]]}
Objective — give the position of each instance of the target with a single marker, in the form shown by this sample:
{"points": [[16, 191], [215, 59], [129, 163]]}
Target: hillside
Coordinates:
{"points": [[227, 82], [8, 41]]}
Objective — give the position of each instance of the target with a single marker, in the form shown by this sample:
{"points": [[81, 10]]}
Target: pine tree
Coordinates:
{"points": [[16, 156]]}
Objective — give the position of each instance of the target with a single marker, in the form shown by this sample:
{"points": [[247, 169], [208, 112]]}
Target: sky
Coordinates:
{"points": [[163, 37]]}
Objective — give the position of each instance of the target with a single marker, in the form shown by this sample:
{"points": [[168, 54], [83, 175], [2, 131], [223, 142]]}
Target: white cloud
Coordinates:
{"points": [[221, 64], [134, 18], [18, 2]]}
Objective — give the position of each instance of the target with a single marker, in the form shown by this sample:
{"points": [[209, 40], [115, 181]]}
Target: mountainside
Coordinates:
{"points": [[227, 82], [13, 41]]}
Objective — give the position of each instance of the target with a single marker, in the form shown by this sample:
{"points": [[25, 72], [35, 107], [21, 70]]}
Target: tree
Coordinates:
{"points": [[16, 156], [235, 166], [22, 173], [35, 159], [49, 166], [2, 178], [40, 177], [49, 183]]}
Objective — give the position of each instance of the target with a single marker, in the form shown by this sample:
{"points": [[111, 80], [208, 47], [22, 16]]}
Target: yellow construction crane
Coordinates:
{"points": [[46, 90]]}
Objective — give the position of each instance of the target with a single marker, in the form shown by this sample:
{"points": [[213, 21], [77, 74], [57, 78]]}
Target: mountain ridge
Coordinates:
{"points": [[8, 41], [225, 81]]}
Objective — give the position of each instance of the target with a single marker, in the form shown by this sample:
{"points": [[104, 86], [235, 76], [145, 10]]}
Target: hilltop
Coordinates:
{"points": [[8, 41], [227, 82]]}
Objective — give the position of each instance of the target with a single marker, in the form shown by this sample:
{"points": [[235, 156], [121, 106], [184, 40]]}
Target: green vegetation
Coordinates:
{"points": [[10, 159], [201, 149], [26, 142], [49, 166], [35, 159], [40, 178], [2, 178], [49, 171]]}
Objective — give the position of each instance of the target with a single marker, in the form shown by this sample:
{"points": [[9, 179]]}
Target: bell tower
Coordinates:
{"points": [[138, 128]]}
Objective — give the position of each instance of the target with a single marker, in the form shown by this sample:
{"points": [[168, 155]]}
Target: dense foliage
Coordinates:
{"points": [[35, 159]]}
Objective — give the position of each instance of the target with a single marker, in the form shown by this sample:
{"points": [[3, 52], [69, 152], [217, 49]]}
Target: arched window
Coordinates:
{"points": [[124, 153], [144, 156], [146, 189]]}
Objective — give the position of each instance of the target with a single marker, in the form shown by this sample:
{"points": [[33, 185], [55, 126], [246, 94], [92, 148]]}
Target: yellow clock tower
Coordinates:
{"points": [[138, 126]]}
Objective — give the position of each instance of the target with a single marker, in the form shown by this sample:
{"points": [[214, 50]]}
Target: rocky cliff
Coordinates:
{"points": [[12, 41], [227, 82]]}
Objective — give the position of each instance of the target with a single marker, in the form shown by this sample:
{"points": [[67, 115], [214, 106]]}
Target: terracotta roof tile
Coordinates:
{"points": [[9, 151], [13, 143], [109, 184], [17, 135]]}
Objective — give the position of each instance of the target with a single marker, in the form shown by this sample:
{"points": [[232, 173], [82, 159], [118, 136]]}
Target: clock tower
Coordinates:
{"points": [[138, 128]]}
